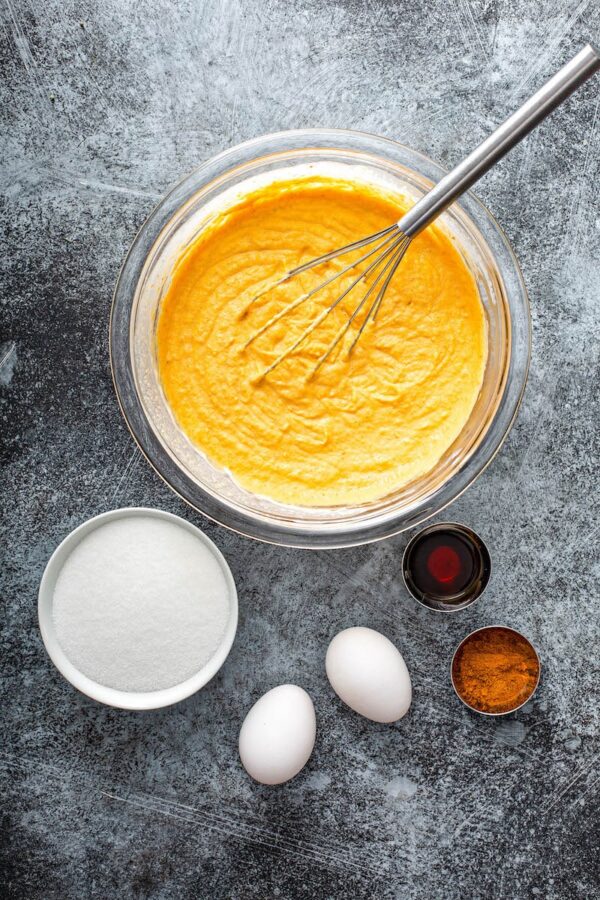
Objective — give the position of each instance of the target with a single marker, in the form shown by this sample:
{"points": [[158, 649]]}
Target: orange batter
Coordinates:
{"points": [[364, 425]]}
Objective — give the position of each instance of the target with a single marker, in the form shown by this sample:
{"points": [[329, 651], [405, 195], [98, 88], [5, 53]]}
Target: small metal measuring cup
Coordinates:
{"points": [[447, 601], [460, 647]]}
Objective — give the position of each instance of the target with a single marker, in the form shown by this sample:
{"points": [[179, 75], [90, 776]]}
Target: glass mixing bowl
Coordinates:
{"points": [[145, 275]]}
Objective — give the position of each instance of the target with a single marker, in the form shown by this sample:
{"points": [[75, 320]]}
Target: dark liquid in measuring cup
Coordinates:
{"points": [[446, 566], [443, 564]]}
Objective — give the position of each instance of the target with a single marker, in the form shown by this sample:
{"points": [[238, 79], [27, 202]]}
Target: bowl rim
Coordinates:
{"points": [[467, 637], [130, 700], [246, 523]]}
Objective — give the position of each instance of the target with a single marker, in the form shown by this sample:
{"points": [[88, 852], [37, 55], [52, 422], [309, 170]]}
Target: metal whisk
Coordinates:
{"points": [[386, 248]]}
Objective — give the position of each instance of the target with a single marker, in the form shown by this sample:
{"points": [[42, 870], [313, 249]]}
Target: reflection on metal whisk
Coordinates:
{"points": [[392, 243], [391, 246]]}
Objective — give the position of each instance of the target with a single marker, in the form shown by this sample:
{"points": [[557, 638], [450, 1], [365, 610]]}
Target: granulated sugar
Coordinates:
{"points": [[140, 604]]}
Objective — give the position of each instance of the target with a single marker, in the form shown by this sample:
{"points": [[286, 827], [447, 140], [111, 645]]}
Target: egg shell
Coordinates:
{"points": [[369, 674], [278, 735]]}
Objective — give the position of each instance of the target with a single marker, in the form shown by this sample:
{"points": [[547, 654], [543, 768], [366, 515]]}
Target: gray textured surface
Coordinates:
{"points": [[104, 106]]}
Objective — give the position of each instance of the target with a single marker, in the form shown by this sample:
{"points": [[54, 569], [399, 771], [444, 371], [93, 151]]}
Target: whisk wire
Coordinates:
{"points": [[304, 297], [340, 251], [393, 261], [326, 312], [375, 306]]}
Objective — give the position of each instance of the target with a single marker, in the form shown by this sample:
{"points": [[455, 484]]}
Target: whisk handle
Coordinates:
{"points": [[503, 139]]}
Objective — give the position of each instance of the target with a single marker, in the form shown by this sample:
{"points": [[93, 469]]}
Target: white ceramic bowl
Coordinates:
{"points": [[111, 696]]}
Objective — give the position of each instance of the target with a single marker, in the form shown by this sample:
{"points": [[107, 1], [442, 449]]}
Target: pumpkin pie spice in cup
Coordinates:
{"points": [[495, 670]]}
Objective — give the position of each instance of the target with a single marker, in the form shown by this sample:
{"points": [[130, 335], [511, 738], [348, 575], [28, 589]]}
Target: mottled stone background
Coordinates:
{"points": [[104, 105]]}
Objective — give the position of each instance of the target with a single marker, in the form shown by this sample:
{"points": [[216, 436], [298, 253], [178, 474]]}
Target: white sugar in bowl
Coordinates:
{"points": [[137, 608]]}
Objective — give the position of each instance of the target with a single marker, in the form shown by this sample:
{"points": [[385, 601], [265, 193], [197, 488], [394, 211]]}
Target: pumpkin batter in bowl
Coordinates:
{"points": [[364, 425]]}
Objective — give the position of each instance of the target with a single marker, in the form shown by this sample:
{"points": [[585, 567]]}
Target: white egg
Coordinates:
{"points": [[368, 673], [278, 735]]}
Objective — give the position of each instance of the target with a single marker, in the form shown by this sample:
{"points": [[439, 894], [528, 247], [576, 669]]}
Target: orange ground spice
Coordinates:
{"points": [[495, 670]]}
